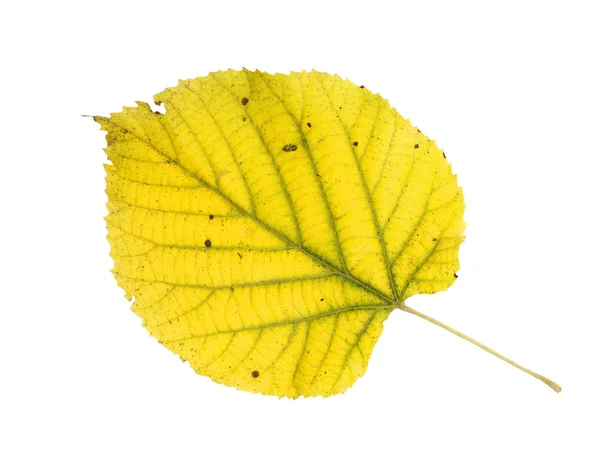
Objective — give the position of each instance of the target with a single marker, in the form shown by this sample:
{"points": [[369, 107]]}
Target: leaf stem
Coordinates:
{"points": [[553, 385]]}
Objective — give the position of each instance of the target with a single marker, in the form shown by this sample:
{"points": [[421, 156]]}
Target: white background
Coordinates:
{"points": [[510, 90]]}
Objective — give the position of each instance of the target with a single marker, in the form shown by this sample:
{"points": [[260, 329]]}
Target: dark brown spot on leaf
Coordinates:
{"points": [[309, 125], [355, 143], [244, 100], [290, 147], [207, 243], [444, 154], [455, 276], [211, 216], [255, 374], [362, 87], [416, 146]]}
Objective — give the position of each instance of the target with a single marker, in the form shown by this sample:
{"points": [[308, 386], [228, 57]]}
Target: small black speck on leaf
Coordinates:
{"points": [[434, 240], [255, 374], [362, 87], [244, 100], [322, 299], [211, 216], [416, 146], [444, 154], [243, 118], [355, 143], [290, 147], [207, 243], [309, 125], [455, 276]]}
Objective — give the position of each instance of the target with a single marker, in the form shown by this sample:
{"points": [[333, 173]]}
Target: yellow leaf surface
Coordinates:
{"points": [[268, 224]]}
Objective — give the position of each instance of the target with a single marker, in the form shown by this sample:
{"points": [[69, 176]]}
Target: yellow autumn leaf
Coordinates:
{"points": [[268, 224]]}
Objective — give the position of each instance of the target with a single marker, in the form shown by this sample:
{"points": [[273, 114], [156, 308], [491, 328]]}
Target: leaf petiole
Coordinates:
{"points": [[553, 385]]}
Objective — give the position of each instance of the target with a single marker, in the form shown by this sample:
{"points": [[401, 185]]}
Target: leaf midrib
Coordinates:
{"points": [[267, 227]]}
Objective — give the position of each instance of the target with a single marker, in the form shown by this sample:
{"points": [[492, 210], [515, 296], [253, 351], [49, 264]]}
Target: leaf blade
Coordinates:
{"points": [[259, 221]]}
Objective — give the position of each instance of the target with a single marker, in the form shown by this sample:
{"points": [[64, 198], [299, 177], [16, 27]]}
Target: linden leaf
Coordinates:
{"points": [[267, 225]]}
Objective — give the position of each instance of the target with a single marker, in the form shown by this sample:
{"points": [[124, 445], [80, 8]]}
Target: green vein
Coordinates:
{"points": [[146, 306], [169, 211], [257, 220], [397, 203], [218, 358], [252, 348], [387, 156], [381, 106], [330, 342], [200, 145], [234, 285], [314, 168], [424, 261], [266, 147], [353, 345], [195, 308], [367, 195], [279, 323], [301, 355], [290, 337], [231, 150], [417, 224], [200, 247]]}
